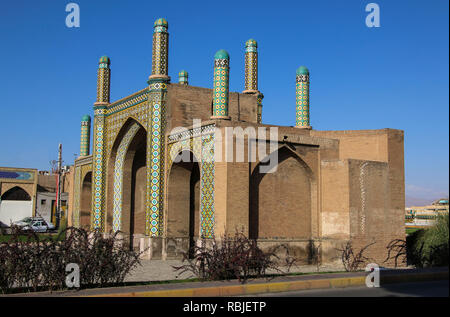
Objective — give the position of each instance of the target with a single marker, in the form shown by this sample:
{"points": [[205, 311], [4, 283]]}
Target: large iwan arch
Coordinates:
{"points": [[127, 181], [288, 193]]}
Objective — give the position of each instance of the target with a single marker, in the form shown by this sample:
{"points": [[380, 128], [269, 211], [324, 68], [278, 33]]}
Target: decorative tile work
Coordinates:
{"points": [[8, 174], [302, 101], [125, 103], [160, 48], [115, 121], [183, 77], [103, 81], [221, 84], [155, 155], [156, 129], [99, 172], [85, 139], [200, 141], [259, 113], [99, 157], [118, 175], [251, 65], [207, 186]]}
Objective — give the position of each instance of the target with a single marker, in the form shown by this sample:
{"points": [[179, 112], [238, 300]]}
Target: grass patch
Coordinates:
{"points": [[25, 238], [430, 247], [411, 230]]}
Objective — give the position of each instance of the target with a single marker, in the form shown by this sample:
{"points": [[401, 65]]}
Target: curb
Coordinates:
{"points": [[275, 287]]}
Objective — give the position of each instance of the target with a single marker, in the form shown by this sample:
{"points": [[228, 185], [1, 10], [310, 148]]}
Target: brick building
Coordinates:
{"points": [[172, 163]]}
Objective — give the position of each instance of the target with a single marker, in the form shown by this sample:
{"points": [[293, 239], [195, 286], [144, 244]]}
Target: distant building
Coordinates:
{"points": [[18, 189], [424, 216]]}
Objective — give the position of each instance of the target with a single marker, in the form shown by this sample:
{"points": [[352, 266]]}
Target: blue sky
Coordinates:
{"points": [[395, 76]]}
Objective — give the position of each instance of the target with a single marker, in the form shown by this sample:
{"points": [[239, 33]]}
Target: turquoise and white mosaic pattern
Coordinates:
{"points": [[207, 186], [118, 175], [221, 84], [99, 166], [200, 141], [155, 161]]}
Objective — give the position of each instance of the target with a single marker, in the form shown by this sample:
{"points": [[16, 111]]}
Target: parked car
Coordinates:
{"points": [[39, 226], [25, 221]]}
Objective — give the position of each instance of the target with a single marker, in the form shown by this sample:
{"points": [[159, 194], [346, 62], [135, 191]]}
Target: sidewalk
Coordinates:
{"points": [[159, 270], [257, 286]]}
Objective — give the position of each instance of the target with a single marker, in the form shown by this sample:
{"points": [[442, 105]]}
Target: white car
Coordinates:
{"points": [[39, 226]]}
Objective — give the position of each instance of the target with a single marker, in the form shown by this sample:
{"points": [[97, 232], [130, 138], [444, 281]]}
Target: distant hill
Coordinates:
{"points": [[413, 201]]}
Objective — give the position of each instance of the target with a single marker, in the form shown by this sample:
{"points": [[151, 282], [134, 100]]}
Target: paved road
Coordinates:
{"points": [[415, 289]]}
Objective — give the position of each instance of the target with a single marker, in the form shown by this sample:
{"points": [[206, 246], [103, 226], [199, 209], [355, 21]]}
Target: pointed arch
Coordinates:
{"points": [[120, 175], [282, 202], [86, 201], [16, 193], [183, 199]]}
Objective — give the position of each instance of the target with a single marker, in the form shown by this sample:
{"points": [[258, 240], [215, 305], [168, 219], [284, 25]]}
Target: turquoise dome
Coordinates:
{"points": [[302, 70], [104, 60], [251, 42], [222, 54], [85, 118], [161, 22]]}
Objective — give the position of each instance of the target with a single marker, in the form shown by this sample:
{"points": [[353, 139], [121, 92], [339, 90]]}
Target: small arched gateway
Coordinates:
{"points": [[183, 212], [18, 188], [15, 204], [86, 201]]}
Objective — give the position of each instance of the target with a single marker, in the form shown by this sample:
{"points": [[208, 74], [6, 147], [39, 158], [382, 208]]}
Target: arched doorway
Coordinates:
{"points": [[127, 176], [15, 204], [86, 201], [280, 202], [183, 215]]}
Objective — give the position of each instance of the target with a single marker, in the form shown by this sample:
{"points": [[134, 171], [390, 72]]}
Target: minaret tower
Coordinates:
{"points": [[85, 140], [302, 98], [221, 85], [99, 159], [160, 51], [251, 74], [157, 82], [183, 77]]}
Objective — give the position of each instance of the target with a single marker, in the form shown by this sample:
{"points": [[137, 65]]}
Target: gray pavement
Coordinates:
{"points": [[413, 289], [158, 270]]}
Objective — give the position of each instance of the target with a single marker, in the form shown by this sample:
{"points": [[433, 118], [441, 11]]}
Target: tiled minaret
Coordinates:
{"points": [[221, 85], [85, 139], [157, 82], [160, 51], [251, 74], [302, 98], [99, 159], [183, 77]]}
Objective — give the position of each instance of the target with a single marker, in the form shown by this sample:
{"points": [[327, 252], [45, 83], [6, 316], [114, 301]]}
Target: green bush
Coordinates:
{"points": [[429, 247]]}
